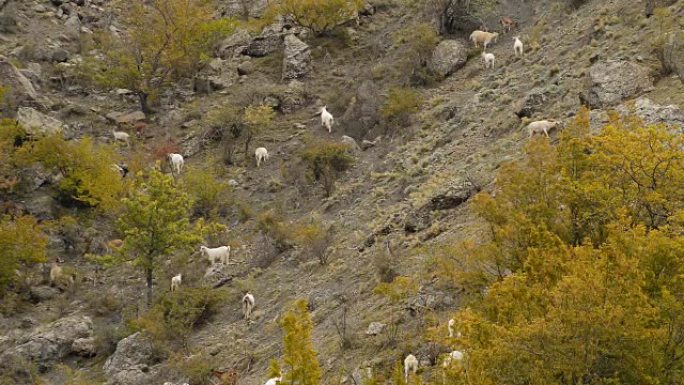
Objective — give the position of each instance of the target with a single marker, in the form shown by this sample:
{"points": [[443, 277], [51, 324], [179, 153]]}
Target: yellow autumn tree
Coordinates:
{"points": [[299, 356], [162, 41], [581, 280]]}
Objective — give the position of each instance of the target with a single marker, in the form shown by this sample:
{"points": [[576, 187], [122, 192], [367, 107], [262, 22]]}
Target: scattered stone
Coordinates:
{"points": [[50, 343], [533, 103], [233, 183], [132, 362], [84, 347], [263, 45], [126, 117], [43, 293], [297, 60], [612, 82], [35, 122], [375, 328], [448, 57], [235, 44]]}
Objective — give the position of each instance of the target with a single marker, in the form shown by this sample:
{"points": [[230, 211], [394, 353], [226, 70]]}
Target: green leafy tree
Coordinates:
{"points": [[299, 355], [163, 41], [325, 161], [156, 223], [23, 244], [321, 16], [257, 119]]}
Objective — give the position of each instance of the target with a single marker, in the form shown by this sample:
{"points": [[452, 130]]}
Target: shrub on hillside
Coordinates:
{"points": [[86, 167], [401, 104], [256, 119], [325, 160], [416, 44], [321, 16], [210, 194], [175, 314], [315, 237], [23, 244]]}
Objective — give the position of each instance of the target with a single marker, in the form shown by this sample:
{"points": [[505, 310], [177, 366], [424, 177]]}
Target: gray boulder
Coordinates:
{"points": [[21, 91], [133, 362], [84, 347], [263, 45], [297, 60], [35, 122], [533, 103], [362, 114], [375, 328], [43, 293], [650, 112], [50, 343], [125, 117], [235, 44], [610, 83], [448, 57]]}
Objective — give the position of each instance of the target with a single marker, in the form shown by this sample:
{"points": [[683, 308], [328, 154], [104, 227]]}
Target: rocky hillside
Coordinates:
{"points": [[406, 194]]}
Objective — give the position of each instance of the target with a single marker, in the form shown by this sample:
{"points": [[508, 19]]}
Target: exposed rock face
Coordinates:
{"points": [[85, 347], [293, 98], [35, 122], [650, 112], [50, 343], [263, 45], [235, 44], [132, 362], [362, 114], [297, 60], [126, 117], [251, 9], [612, 82], [672, 54], [532, 103], [448, 57], [20, 89]]}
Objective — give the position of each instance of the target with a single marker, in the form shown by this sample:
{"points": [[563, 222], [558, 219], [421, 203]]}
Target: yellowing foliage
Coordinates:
{"points": [[23, 244], [164, 40], [400, 105], [581, 281], [299, 356]]}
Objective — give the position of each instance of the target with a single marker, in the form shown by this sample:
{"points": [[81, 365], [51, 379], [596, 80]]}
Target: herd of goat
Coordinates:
{"points": [[221, 254]]}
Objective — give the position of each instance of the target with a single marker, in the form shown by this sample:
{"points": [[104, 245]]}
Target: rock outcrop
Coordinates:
{"points": [[133, 362], [448, 57], [35, 122], [612, 82], [297, 60]]}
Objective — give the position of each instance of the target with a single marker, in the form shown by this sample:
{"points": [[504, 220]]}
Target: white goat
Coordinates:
{"points": [[483, 37], [120, 136], [176, 282], [247, 304], [261, 155], [456, 355], [518, 46], [177, 162], [327, 119], [450, 326], [55, 273], [410, 365], [274, 380], [542, 126], [220, 254], [488, 59]]}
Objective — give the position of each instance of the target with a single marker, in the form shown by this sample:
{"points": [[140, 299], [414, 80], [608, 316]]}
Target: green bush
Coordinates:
{"points": [[176, 314], [325, 160], [210, 195], [400, 105], [416, 44]]}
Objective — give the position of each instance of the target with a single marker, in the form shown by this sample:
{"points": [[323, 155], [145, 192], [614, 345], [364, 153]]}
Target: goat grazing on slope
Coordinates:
{"points": [[410, 365], [327, 119], [176, 282], [247, 304], [261, 155], [177, 162], [220, 254]]}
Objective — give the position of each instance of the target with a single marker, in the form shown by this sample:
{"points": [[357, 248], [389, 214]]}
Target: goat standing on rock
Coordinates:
{"points": [[220, 254]]}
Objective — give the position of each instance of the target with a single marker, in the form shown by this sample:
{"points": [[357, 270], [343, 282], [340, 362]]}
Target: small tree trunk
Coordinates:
{"points": [[144, 103], [148, 273], [248, 140]]}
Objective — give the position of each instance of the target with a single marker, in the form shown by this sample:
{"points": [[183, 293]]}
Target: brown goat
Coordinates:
{"points": [[507, 23], [226, 377]]}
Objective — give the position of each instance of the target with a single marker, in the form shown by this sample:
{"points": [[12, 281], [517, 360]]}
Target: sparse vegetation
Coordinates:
{"points": [[321, 16], [299, 356], [325, 161], [165, 40], [400, 105], [23, 243]]}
